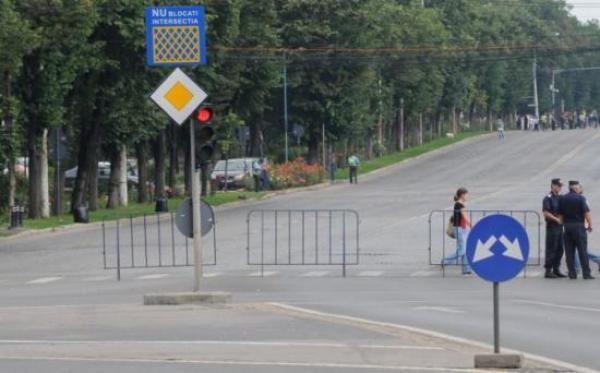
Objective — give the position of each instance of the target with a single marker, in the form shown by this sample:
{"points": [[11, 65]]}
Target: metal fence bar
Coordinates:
{"points": [[330, 236], [344, 246], [159, 239], [118, 252], [302, 236], [276, 249], [145, 242], [316, 237], [131, 232], [290, 237], [172, 240], [262, 244], [104, 243]]}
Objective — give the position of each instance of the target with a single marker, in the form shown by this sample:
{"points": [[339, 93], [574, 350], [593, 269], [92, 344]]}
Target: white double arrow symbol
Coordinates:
{"points": [[483, 250]]}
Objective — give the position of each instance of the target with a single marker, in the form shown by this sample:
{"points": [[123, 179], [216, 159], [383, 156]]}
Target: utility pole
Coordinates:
{"points": [[196, 214], [401, 130], [285, 109], [535, 89]]}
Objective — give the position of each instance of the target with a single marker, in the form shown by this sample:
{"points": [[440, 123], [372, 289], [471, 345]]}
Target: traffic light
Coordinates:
{"points": [[205, 135]]}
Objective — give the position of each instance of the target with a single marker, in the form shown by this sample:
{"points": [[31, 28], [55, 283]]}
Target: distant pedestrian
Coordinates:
{"points": [[554, 231], [353, 163], [264, 175], [575, 214], [500, 128], [462, 227], [332, 168]]}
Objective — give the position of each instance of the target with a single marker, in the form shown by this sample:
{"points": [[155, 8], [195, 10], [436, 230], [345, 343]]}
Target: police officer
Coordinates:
{"points": [[554, 231], [575, 213]]}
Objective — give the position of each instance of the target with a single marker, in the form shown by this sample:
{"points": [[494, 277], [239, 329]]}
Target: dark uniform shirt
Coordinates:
{"points": [[551, 204], [573, 207]]}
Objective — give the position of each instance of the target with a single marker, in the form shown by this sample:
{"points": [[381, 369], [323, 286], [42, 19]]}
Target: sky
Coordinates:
{"points": [[586, 10]]}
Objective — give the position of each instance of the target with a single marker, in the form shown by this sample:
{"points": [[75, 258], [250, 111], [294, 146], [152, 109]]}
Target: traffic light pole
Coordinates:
{"points": [[197, 240]]}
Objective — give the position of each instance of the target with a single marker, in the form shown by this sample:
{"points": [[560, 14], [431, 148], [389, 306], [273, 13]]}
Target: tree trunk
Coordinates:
{"points": [[159, 165], [173, 157], [87, 168], [454, 126], [420, 134], [313, 148], [114, 181], [92, 190], [35, 187], [44, 185], [401, 129], [12, 182], [142, 172], [187, 167], [123, 192]]}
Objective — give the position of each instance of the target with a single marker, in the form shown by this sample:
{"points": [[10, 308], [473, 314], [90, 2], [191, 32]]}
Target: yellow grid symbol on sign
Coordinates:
{"points": [[175, 44]]}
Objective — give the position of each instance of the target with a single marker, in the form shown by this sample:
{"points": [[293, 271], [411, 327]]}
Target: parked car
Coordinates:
{"points": [[103, 174], [237, 170]]}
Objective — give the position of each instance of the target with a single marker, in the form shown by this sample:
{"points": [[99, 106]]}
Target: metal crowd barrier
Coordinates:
{"points": [[441, 246], [295, 237], [151, 241]]}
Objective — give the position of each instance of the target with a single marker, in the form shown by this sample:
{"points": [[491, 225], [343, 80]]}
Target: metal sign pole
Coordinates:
{"points": [[197, 240], [496, 318]]}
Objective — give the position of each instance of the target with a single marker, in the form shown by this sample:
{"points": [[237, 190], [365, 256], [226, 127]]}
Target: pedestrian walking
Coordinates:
{"points": [[500, 128], [575, 214], [554, 231], [353, 163], [462, 227], [265, 183], [332, 168]]}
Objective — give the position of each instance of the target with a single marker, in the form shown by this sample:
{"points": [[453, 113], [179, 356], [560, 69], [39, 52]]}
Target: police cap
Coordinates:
{"points": [[556, 182], [573, 183]]}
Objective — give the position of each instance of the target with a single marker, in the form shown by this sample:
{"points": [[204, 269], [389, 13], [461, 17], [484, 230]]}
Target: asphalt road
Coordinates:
{"points": [[394, 281]]}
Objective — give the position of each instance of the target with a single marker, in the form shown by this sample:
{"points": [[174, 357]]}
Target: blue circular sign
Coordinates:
{"points": [[498, 248]]}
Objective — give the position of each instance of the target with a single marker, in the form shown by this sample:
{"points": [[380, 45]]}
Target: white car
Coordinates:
{"points": [[237, 170]]}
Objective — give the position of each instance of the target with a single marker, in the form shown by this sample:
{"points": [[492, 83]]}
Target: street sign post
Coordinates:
{"points": [[497, 251], [175, 35], [179, 96]]}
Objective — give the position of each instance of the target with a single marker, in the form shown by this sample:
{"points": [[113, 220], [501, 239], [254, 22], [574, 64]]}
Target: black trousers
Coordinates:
{"points": [[353, 174], [554, 246], [576, 240]]}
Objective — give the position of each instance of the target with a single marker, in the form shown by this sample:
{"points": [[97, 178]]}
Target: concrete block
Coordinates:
{"points": [[211, 297], [499, 361]]}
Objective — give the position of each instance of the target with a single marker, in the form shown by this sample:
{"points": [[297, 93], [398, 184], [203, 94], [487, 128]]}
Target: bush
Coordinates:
{"points": [[296, 174]]}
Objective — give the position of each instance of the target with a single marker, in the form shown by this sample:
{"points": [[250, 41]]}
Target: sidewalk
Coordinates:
{"points": [[236, 337]]}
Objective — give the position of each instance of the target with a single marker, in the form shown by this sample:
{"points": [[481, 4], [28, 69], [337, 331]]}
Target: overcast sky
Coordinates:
{"points": [[586, 9]]}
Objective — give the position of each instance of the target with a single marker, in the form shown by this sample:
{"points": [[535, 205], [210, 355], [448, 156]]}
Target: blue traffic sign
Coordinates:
{"points": [[175, 35], [498, 248]]}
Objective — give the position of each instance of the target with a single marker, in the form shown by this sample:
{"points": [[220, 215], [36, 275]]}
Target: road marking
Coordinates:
{"points": [[370, 273], [423, 274], [97, 278], [263, 274], [315, 274], [43, 280], [213, 274], [555, 305], [153, 277], [222, 343], [357, 321], [362, 367], [437, 309], [533, 274]]}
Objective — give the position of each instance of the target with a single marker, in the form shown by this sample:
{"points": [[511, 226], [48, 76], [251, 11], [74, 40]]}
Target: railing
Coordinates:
{"points": [[150, 241], [440, 245], [303, 237]]}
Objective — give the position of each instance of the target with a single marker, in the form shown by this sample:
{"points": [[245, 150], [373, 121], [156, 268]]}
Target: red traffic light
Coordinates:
{"points": [[204, 115]]}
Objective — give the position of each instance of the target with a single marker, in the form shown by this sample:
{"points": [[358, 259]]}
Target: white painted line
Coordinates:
{"points": [[366, 322], [221, 343], [370, 273], [153, 277], [533, 274], [424, 274], [97, 278], [362, 367], [315, 274], [43, 280], [438, 309], [213, 274], [264, 274], [556, 305]]}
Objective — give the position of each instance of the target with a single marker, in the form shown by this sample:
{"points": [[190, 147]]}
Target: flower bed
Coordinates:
{"points": [[296, 173]]}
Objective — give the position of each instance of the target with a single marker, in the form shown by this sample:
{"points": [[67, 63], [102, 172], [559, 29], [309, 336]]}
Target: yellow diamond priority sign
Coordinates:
{"points": [[178, 96]]}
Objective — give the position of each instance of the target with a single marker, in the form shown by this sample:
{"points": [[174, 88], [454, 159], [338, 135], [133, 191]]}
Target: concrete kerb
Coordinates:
{"points": [[563, 365], [254, 201], [173, 299]]}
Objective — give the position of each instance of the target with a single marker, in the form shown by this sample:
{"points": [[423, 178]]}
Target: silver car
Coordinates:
{"points": [[237, 170]]}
